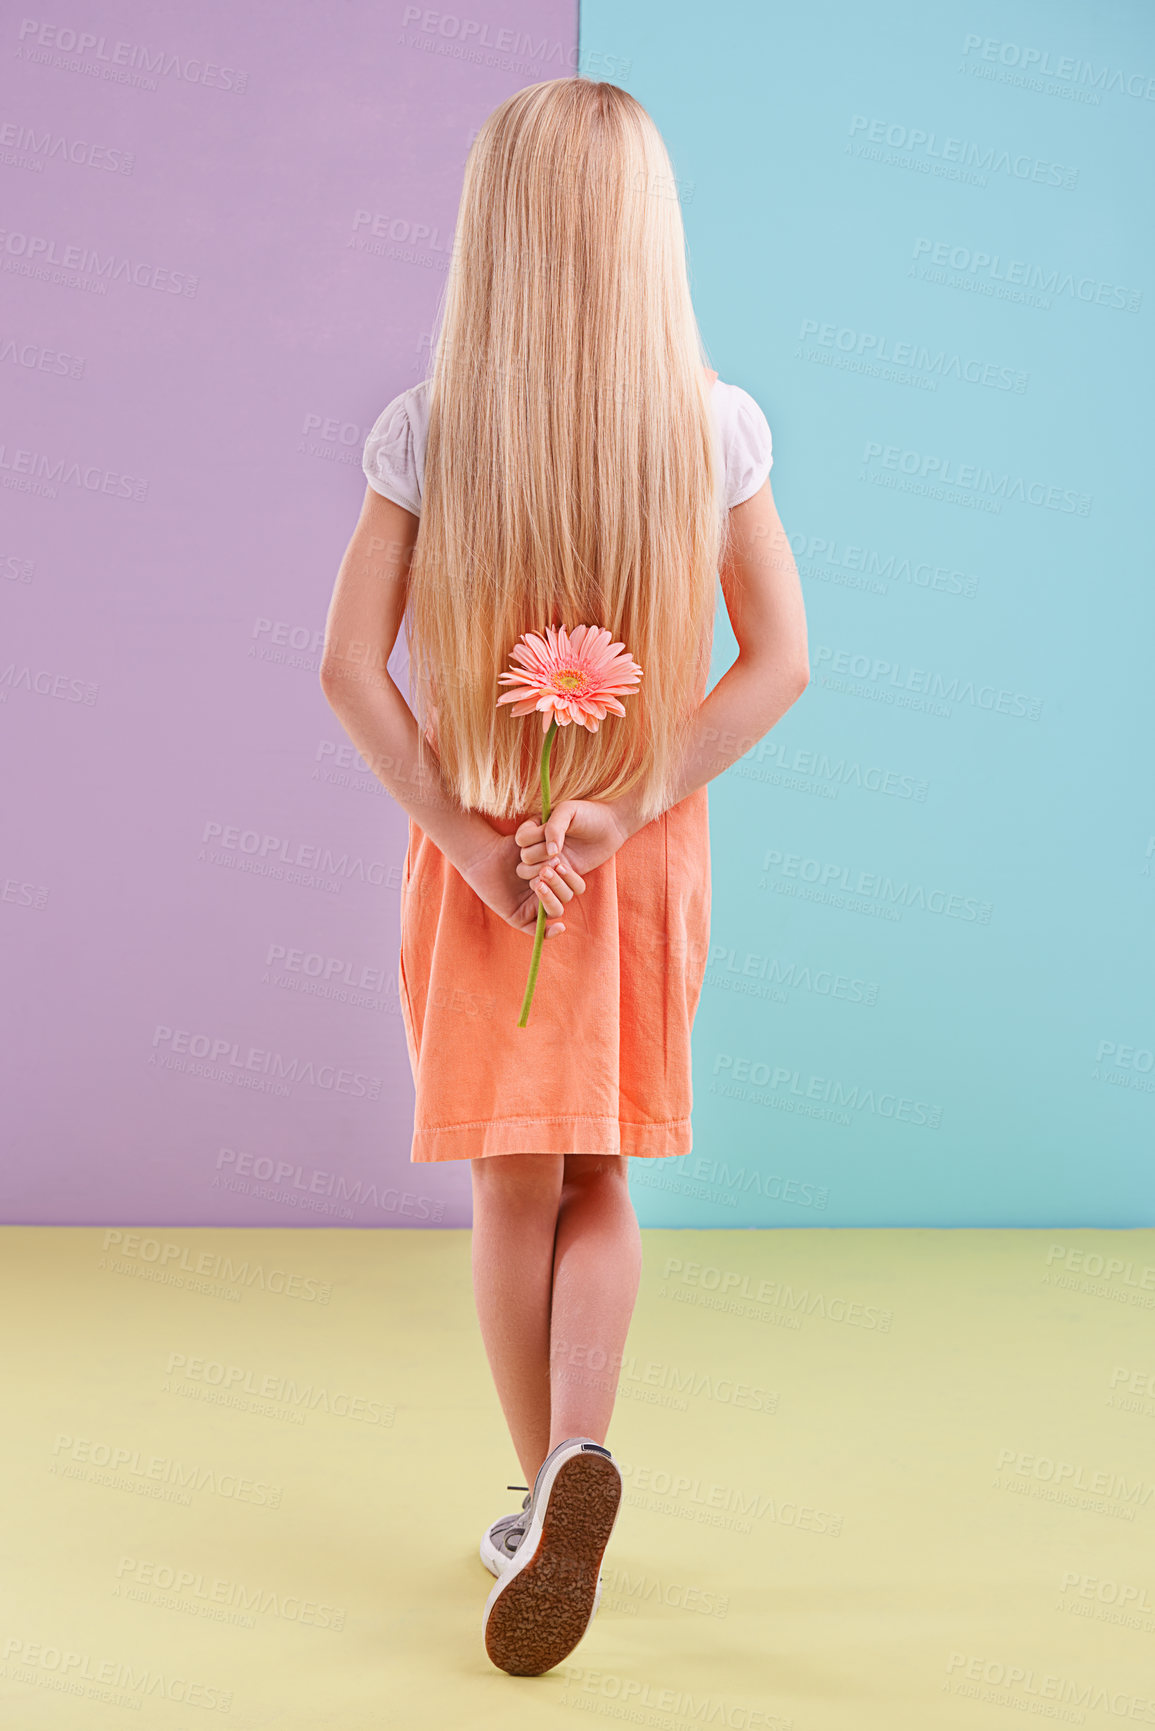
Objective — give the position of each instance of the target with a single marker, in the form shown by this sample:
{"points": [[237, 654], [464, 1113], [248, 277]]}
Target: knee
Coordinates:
{"points": [[518, 1180], [602, 1172]]}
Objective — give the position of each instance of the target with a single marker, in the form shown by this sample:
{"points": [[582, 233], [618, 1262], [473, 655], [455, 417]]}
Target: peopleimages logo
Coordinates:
{"points": [[876, 349], [219, 1054], [215, 1265], [927, 682], [118, 1681], [1042, 62], [37, 358], [230, 844], [31, 148], [827, 1090], [45, 683], [992, 268], [998, 486], [214, 1595], [826, 878], [822, 981], [946, 152], [181, 1476], [298, 1185], [1049, 1694], [1047, 1469], [868, 568], [479, 41], [104, 57], [37, 253], [235, 1380], [800, 766], [40, 472]]}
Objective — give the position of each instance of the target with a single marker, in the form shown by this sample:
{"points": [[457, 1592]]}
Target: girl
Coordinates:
{"points": [[571, 460]]}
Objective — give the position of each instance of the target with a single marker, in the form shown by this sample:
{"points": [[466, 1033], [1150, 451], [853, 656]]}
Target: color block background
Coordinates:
{"points": [[914, 239]]}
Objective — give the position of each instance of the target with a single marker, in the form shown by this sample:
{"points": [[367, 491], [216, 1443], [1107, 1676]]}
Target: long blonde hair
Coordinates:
{"points": [[571, 470]]}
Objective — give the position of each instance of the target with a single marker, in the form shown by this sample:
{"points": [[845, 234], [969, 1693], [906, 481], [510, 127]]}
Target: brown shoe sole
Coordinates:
{"points": [[544, 1608]]}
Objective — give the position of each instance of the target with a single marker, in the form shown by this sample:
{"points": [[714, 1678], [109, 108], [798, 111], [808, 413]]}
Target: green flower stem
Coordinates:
{"points": [[539, 934]]}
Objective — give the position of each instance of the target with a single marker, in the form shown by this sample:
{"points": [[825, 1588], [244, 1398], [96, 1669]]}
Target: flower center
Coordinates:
{"points": [[569, 679]]}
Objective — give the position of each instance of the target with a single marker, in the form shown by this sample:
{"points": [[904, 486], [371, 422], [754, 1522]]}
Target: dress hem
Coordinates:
{"points": [[561, 1135]]}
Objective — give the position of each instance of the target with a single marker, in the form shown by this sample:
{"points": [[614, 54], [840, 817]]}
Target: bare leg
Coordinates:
{"points": [[596, 1272], [515, 1207]]}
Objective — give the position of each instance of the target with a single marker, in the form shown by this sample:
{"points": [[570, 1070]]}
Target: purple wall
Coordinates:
{"points": [[226, 233]]}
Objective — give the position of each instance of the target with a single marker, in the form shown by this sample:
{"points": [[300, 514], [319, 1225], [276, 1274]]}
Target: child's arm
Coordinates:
{"points": [[764, 600], [364, 619]]}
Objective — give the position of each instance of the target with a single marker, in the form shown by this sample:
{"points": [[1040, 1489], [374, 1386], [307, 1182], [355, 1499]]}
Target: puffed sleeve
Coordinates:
{"points": [[390, 457], [747, 446]]}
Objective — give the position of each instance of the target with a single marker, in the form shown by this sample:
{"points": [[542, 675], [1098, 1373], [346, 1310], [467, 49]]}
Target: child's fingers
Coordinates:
{"points": [[531, 868], [532, 859], [535, 852], [552, 895], [563, 884], [529, 833], [557, 825], [549, 837], [563, 874], [527, 917]]}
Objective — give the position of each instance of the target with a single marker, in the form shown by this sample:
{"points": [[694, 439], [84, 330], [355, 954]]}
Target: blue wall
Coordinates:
{"points": [[916, 238]]}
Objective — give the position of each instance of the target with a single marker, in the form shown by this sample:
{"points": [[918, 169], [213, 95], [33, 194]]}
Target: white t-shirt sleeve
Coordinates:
{"points": [[390, 456], [747, 447], [392, 459]]}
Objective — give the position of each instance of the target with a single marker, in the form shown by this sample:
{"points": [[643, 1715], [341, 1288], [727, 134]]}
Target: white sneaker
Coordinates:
{"points": [[500, 1541], [549, 1589]]}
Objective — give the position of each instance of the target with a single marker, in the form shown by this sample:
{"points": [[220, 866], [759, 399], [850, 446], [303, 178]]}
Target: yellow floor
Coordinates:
{"points": [[875, 1480]]}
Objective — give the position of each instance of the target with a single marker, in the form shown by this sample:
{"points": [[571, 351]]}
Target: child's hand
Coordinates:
{"points": [[493, 875], [584, 834]]}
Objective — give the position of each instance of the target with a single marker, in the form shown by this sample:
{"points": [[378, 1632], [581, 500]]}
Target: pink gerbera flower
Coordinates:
{"points": [[570, 677]]}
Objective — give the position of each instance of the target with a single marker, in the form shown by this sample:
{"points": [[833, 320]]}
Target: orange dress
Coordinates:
{"points": [[603, 1065]]}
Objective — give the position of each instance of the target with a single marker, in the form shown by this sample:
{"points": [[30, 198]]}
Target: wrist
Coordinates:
{"points": [[464, 837], [472, 838], [626, 816]]}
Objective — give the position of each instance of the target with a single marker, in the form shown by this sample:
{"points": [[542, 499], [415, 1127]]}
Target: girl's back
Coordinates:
{"points": [[604, 1064]]}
